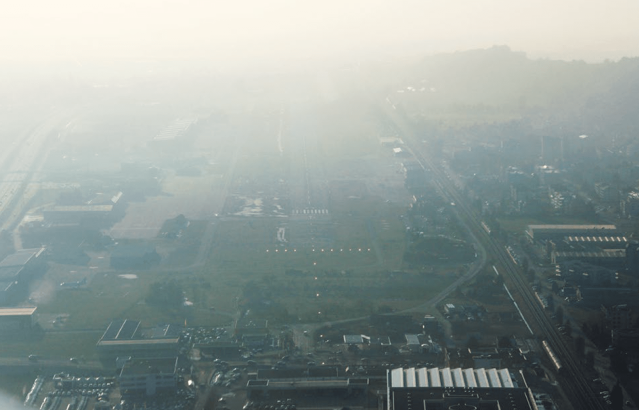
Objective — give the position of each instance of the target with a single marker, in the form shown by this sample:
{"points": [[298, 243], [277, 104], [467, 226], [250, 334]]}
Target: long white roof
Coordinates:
{"points": [[506, 380], [482, 379], [446, 376], [422, 377], [469, 375], [435, 380], [450, 378], [411, 377], [458, 377], [494, 378]]}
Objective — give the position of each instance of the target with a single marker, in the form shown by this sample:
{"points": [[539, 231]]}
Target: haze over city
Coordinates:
{"points": [[252, 32], [282, 205]]}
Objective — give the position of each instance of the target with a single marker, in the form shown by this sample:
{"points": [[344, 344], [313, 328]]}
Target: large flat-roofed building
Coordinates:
{"points": [[559, 232], [121, 329], [148, 376], [19, 318], [21, 258], [8, 288], [320, 380], [602, 242], [16, 271], [445, 388], [123, 338], [614, 258], [110, 350], [79, 214]]}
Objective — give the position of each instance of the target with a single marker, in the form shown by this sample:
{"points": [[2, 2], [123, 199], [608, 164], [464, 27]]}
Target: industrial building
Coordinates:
{"points": [[602, 242], [123, 338], [16, 271], [148, 376], [445, 388], [320, 381], [557, 233], [16, 319], [609, 258], [93, 215], [598, 245]]}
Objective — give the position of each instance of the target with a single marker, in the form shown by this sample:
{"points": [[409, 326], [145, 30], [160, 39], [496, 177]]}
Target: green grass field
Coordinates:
{"points": [[80, 344], [349, 280]]}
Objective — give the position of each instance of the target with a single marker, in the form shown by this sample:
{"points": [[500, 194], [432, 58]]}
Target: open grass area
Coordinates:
{"points": [[184, 250], [344, 261], [111, 296], [343, 267], [80, 344]]}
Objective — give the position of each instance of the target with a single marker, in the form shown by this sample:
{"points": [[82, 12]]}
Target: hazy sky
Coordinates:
{"points": [[248, 30]]}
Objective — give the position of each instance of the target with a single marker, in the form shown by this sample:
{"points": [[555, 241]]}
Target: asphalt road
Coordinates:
{"points": [[573, 380]]}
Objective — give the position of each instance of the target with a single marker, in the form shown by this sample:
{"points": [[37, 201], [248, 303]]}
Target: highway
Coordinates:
{"points": [[572, 380], [22, 164]]}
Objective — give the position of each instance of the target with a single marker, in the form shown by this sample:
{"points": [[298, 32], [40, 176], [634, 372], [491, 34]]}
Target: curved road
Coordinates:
{"points": [[573, 381]]}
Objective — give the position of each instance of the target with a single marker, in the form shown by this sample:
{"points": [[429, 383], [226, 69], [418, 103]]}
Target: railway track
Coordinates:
{"points": [[572, 379]]}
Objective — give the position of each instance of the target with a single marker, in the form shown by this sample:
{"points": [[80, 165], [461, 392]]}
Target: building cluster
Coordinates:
{"points": [[74, 217]]}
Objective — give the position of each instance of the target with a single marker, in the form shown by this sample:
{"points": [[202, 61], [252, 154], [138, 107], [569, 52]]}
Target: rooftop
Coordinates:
{"points": [[21, 257], [319, 372], [454, 398], [412, 339], [165, 365], [449, 378], [18, 311], [9, 273], [597, 239], [571, 227], [80, 208], [618, 253], [138, 342], [353, 339], [165, 331], [121, 329]]}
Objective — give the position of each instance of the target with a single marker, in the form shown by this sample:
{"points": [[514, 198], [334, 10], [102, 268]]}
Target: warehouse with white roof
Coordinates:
{"points": [[446, 388]]}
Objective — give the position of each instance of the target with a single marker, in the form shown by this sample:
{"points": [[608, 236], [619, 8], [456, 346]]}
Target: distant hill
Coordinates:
{"points": [[498, 80]]}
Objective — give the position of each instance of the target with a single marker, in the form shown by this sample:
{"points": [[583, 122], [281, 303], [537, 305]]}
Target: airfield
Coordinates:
{"points": [[296, 213]]}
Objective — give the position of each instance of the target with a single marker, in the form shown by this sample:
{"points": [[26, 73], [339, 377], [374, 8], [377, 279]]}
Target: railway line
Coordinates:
{"points": [[572, 379]]}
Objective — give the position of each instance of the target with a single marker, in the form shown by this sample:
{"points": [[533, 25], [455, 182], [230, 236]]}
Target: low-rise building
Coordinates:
{"points": [[16, 272], [558, 232], [148, 376], [16, 319], [446, 388], [123, 338]]}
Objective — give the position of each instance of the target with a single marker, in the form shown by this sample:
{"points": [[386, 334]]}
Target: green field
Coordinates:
{"points": [[80, 344], [347, 274]]}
